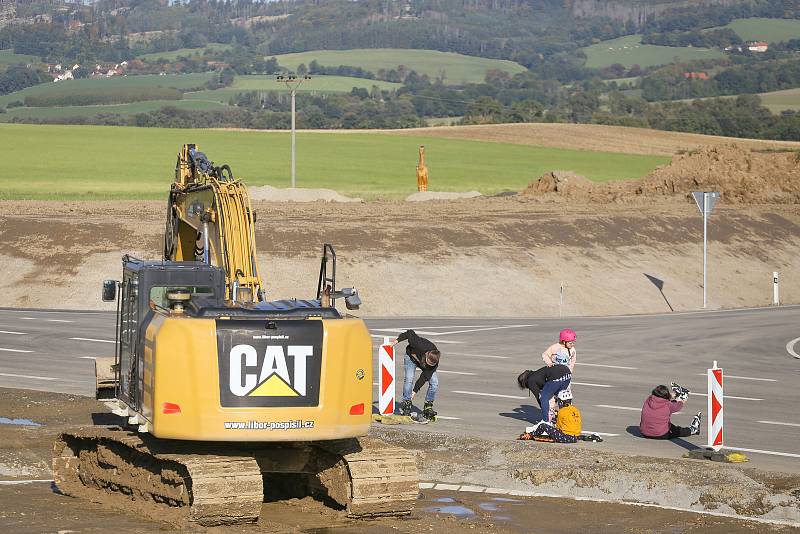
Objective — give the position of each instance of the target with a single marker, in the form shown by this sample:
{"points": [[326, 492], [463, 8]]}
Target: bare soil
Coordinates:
{"points": [[38, 507], [594, 137]]}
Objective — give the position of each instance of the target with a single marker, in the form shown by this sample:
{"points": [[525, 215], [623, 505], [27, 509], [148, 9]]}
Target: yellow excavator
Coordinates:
{"points": [[226, 398]]}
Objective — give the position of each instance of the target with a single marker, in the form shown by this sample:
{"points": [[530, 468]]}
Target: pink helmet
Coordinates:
{"points": [[567, 335]]}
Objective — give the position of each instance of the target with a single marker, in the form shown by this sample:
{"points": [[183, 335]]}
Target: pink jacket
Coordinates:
{"points": [[655, 415], [554, 349]]}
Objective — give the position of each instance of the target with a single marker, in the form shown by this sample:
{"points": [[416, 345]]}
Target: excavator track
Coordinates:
{"points": [[217, 484]]}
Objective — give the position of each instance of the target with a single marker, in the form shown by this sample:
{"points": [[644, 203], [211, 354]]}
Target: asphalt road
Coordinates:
{"points": [[620, 359]]}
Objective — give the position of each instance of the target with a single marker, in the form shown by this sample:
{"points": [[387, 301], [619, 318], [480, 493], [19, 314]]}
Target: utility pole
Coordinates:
{"points": [[292, 83]]}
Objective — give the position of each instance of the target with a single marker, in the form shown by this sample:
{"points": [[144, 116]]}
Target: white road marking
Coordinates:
{"points": [[742, 377], [790, 347], [490, 395], [449, 326], [28, 318], [437, 341], [777, 423], [478, 355], [617, 407], [773, 453], [29, 376], [15, 350], [609, 366], [599, 433], [448, 418], [88, 357], [591, 385], [15, 482], [13, 333], [59, 321], [729, 397], [454, 372], [92, 339], [483, 329]]}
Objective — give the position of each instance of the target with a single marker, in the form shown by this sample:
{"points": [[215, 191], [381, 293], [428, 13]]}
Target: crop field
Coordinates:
{"points": [[178, 81], [99, 162], [132, 108], [770, 30], [183, 52], [778, 101], [457, 68], [317, 84], [629, 51]]}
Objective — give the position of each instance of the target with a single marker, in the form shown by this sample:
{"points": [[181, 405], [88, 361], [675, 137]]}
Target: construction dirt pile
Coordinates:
{"points": [[742, 176]]}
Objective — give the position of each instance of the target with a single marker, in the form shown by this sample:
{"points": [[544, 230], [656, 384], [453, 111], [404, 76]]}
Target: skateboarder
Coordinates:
{"points": [[420, 353], [564, 347], [657, 409]]}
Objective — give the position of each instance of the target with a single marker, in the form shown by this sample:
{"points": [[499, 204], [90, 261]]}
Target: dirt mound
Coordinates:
{"points": [[742, 176], [274, 194]]}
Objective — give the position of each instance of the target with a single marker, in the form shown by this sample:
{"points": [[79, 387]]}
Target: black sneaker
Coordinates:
{"points": [[695, 426]]}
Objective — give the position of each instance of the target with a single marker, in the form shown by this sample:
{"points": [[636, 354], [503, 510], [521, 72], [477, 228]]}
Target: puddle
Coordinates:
{"points": [[489, 506], [505, 499], [444, 499], [456, 509], [26, 422]]}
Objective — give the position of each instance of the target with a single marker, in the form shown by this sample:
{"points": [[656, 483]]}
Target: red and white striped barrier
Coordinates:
{"points": [[386, 377], [714, 412]]}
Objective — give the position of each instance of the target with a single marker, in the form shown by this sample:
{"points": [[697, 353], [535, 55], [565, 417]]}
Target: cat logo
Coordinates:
{"points": [[273, 379], [265, 369]]}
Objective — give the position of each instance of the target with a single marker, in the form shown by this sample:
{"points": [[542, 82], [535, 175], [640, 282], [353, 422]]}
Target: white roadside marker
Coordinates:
{"points": [[29, 376], [92, 339], [490, 395]]}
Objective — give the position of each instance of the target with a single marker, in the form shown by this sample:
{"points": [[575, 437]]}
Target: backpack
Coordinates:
{"points": [[568, 420]]}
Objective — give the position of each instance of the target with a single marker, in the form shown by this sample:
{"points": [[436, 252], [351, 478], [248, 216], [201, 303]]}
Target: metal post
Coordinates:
{"points": [[705, 248], [293, 141]]}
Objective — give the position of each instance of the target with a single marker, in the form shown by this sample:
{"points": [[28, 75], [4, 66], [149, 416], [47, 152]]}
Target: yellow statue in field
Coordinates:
{"points": [[422, 171]]}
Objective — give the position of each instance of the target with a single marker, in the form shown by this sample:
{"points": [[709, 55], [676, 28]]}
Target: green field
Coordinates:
{"points": [[184, 52], [117, 109], [8, 57], [458, 69], [778, 101], [99, 162], [629, 51], [178, 81], [317, 84], [770, 30]]}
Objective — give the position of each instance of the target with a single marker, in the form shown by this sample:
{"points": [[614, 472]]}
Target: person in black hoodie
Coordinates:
{"points": [[545, 383], [420, 353]]}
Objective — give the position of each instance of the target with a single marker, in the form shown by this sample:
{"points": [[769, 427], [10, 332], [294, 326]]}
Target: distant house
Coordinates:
{"points": [[758, 46], [695, 75]]}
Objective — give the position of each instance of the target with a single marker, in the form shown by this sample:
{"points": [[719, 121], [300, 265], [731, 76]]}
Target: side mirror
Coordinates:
{"points": [[109, 290], [352, 301]]}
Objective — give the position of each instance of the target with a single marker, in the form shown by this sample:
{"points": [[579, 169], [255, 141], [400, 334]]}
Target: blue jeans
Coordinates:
{"points": [[549, 390], [408, 381]]}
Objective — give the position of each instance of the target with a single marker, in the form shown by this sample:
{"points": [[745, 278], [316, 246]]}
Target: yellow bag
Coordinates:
{"points": [[568, 420]]}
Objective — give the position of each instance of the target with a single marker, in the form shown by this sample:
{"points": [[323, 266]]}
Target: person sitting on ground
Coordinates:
{"points": [[564, 347], [656, 411], [567, 428], [545, 383]]}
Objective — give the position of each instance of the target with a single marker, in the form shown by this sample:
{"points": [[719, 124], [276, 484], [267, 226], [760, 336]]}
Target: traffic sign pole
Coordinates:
{"points": [[705, 201]]}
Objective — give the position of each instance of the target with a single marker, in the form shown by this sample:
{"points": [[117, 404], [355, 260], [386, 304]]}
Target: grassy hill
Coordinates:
{"points": [[457, 68], [183, 52], [778, 101], [8, 57], [771, 30], [629, 51], [132, 108], [177, 81], [98, 162], [317, 84]]}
